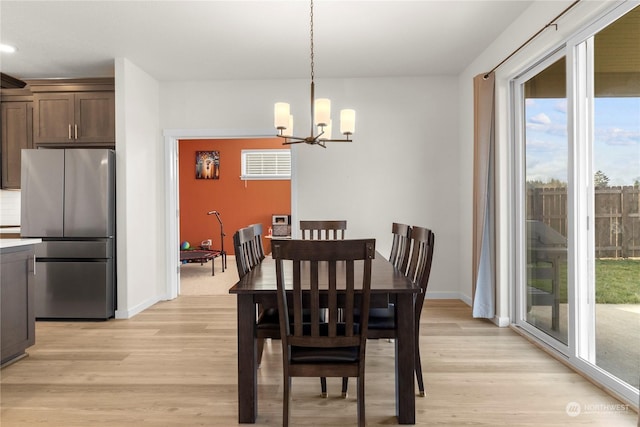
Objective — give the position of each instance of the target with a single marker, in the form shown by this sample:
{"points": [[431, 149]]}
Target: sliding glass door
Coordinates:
{"points": [[545, 162], [577, 128], [615, 72]]}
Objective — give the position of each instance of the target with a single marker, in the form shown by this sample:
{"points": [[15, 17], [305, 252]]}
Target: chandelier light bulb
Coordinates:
{"points": [[281, 115], [347, 121], [323, 111], [7, 48]]}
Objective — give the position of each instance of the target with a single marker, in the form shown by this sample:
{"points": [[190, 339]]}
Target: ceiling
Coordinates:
{"points": [[238, 39]]}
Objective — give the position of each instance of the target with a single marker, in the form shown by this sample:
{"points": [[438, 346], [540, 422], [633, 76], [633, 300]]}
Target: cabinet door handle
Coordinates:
{"points": [[34, 265], [75, 127], [69, 130]]}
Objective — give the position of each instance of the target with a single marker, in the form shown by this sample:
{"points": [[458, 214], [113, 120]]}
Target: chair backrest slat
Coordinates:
{"points": [[258, 246], [297, 300], [323, 230], [400, 246], [349, 299]]}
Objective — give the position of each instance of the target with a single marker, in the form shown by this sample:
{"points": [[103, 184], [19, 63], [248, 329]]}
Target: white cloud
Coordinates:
{"points": [[546, 169], [541, 119], [617, 136], [561, 106]]}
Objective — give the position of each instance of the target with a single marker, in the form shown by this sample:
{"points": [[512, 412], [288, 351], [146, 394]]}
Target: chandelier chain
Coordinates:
{"points": [[284, 120], [311, 26]]}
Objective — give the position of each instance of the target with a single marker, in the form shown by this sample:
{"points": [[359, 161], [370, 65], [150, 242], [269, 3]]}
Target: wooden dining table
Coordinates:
{"points": [[388, 285]]}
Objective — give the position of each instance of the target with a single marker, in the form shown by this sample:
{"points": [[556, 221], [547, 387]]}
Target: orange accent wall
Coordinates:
{"points": [[240, 203]]}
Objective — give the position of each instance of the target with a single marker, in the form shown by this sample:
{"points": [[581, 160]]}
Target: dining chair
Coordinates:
{"points": [[384, 317], [323, 230], [382, 320], [423, 242], [247, 257], [335, 347]]}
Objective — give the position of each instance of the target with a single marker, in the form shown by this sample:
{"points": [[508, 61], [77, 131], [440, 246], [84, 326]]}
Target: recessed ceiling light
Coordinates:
{"points": [[6, 48]]}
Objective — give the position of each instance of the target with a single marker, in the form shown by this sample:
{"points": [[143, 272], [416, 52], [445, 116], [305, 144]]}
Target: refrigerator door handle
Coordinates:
{"points": [[34, 264]]}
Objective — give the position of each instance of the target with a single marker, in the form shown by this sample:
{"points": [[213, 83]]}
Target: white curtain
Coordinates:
{"points": [[483, 197]]}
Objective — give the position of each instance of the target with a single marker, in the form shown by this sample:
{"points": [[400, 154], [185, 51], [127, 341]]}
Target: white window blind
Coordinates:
{"points": [[266, 164]]}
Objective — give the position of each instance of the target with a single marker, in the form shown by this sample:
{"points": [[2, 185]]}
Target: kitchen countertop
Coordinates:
{"points": [[12, 243]]}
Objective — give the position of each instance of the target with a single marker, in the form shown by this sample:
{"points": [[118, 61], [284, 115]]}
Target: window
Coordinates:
{"points": [[266, 164], [545, 153]]}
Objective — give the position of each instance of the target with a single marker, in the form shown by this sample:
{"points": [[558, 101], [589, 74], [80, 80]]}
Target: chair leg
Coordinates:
{"points": [[419, 374], [362, 421], [323, 387], [345, 387], [286, 393], [418, 365], [260, 350]]}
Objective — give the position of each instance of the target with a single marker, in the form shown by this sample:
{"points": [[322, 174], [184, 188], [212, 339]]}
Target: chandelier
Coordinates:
{"points": [[320, 116]]}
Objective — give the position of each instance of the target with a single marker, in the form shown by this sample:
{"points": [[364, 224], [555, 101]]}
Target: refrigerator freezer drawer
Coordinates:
{"points": [[75, 249], [74, 290]]}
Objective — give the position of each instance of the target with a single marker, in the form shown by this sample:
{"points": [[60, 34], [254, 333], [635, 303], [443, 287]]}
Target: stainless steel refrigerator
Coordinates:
{"points": [[68, 200]]}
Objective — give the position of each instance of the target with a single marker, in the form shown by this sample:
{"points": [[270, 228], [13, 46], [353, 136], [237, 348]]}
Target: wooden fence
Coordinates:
{"points": [[617, 217]]}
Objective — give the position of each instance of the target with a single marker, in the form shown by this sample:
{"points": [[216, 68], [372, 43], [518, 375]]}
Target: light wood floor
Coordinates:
{"points": [[175, 365]]}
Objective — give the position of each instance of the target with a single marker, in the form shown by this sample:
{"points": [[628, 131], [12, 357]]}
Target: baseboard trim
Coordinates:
{"points": [[130, 312], [502, 321], [447, 295]]}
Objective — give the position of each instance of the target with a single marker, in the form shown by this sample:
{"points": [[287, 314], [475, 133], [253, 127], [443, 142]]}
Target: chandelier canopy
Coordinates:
{"points": [[320, 116]]}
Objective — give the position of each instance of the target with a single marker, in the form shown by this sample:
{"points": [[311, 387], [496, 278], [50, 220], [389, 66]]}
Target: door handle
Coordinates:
{"points": [[75, 127], [69, 130], [34, 265]]}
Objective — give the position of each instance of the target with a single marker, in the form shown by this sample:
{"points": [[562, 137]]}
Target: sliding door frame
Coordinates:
{"points": [[580, 349], [519, 121]]}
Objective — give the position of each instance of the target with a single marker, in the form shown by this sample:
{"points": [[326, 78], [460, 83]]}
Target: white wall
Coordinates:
{"points": [[139, 197], [401, 167]]}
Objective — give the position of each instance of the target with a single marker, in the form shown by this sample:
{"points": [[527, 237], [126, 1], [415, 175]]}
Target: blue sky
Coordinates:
{"points": [[616, 146]]}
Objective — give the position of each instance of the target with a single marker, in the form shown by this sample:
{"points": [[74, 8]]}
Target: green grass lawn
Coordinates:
{"points": [[617, 281]]}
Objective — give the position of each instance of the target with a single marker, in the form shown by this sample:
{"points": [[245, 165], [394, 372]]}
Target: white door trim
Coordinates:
{"points": [[172, 225]]}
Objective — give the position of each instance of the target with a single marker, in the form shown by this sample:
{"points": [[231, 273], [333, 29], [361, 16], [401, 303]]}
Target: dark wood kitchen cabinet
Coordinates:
{"points": [[17, 133], [73, 112], [74, 118], [17, 313]]}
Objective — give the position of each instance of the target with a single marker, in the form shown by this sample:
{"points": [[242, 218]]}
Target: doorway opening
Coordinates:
{"points": [[216, 198], [173, 139]]}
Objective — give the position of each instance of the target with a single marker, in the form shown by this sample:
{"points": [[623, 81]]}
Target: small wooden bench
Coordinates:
{"points": [[203, 256]]}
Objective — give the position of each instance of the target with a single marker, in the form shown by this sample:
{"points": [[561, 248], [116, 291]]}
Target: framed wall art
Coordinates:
{"points": [[207, 165]]}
